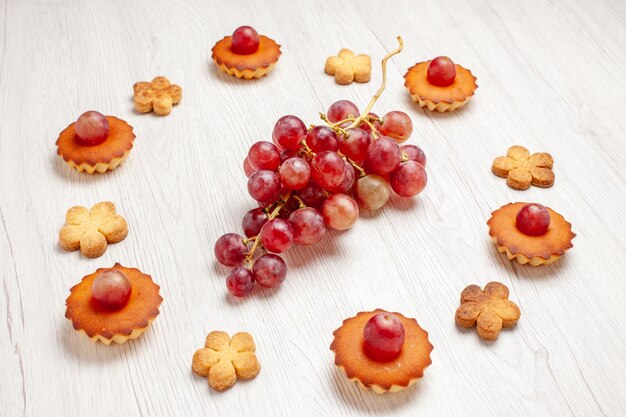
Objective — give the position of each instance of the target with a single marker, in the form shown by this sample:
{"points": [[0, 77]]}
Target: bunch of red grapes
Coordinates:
{"points": [[309, 180]]}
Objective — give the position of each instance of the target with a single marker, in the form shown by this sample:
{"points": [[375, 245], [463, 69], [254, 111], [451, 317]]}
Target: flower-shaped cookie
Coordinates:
{"points": [[347, 67], [521, 169], [489, 310], [91, 230], [157, 95], [224, 360]]}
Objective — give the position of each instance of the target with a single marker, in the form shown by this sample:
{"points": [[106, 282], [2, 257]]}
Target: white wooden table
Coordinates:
{"points": [[552, 78]]}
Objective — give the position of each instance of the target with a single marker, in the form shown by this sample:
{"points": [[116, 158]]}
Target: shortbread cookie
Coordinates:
{"points": [[521, 169], [157, 95], [348, 67], [91, 230], [489, 310], [223, 360]]}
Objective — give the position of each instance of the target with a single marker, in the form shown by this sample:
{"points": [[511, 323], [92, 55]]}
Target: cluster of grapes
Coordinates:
{"points": [[308, 180]]}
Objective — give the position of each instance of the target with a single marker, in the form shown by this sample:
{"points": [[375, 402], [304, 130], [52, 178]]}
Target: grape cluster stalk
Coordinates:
{"points": [[308, 180]]}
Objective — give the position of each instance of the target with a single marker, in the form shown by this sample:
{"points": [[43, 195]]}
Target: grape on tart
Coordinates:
{"points": [[246, 54], [95, 143], [113, 304], [381, 351], [530, 233], [440, 84]]}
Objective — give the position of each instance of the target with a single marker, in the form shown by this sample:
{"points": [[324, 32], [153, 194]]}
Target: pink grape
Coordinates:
{"points": [[414, 153], [312, 194], [348, 180], [383, 156], [340, 211], [230, 250], [247, 168], [277, 235], [308, 226], [322, 138], [253, 221], [264, 186], [355, 146], [328, 169], [92, 128], [111, 289], [341, 110], [408, 180], [264, 155], [397, 125], [240, 282], [372, 192], [383, 337], [288, 132], [375, 122], [288, 153], [245, 40], [269, 270], [294, 173], [533, 220]]}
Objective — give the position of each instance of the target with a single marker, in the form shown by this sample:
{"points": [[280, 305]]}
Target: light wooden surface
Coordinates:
{"points": [[552, 78]]}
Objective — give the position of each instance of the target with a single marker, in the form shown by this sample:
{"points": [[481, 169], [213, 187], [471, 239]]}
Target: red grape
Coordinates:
{"points": [[533, 220], [340, 211], [247, 168], [367, 127], [240, 282], [253, 221], [372, 192], [397, 125], [308, 226], [341, 110], [111, 289], [383, 156], [322, 138], [230, 249], [312, 195], [355, 146], [245, 40], [414, 153], [288, 132], [383, 337], [328, 169], [348, 180], [294, 173], [264, 186], [441, 71], [408, 180], [269, 270], [92, 128], [277, 235], [288, 153], [264, 155]]}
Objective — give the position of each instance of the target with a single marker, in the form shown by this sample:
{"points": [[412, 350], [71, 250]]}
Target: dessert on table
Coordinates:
{"points": [[157, 95], [381, 351], [440, 84], [113, 304], [95, 143], [246, 54], [521, 169], [347, 67], [530, 233]]}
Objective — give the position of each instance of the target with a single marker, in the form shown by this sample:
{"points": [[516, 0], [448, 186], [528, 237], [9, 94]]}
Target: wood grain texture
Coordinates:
{"points": [[552, 78]]}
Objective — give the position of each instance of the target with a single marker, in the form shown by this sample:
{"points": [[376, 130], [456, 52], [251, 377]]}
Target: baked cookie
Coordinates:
{"points": [[91, 230], [101, 152], [529, 246], [521, 169], [440, 84], [157, 95], [489, 310], [113, 304], [378, 367], [223, 360], [246, 54], [348, 67]]}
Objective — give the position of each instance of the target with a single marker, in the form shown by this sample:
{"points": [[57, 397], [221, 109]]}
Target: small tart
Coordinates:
{"points": [[105, 325], [254, 65], [103, 157], [433, 97], [381, 377], [535, 250]]}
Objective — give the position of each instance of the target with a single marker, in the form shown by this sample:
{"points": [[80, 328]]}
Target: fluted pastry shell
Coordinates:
{"points": [[254, 65]]}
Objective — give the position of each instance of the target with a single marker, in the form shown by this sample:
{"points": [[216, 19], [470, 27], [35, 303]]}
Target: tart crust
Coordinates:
{"points": [[437, 98], [255, 65], [106, 326], [381, 377], [103, 157], [534, 250]]}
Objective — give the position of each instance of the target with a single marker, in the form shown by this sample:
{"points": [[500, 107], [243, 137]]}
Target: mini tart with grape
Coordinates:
{"points": [[254, 65], [534, 250], [103, 157], [106, 325], [437, 98], [381, 377]]}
